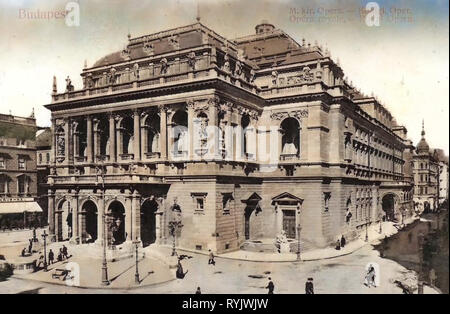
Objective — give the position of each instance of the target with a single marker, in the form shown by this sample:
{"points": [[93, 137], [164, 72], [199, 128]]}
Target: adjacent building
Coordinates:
{"points": [[426, 176], [18, 178], [240, 140], [443, 177]]}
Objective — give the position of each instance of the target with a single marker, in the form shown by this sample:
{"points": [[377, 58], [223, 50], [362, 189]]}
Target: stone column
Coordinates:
{"points": [[191, 130], [53, 148], [128, 217], [136, 216], [112, 138], [136, 135], [96, 139], [119, 139], [213, 122], [51, 215], [163, 132], [75, 211], [89, 139]]}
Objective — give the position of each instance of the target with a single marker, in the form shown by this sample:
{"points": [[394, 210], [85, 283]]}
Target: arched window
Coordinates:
{"points": [[152, 134], [290, 140], [180, 133], [126, 133], [245, 122]]}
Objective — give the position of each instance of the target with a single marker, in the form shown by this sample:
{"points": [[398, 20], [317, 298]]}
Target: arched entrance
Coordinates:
{"points": [[252, 207], [148, 222], [64, 220], [388, 205], [117, 223], [90, 210]]}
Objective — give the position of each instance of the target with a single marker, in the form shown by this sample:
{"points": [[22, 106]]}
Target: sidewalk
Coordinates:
{"points": [[388, 229], [121, 273]]}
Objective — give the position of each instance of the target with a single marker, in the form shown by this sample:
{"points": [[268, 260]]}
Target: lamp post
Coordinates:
{"points": [[381, 224], [298, 243], [136, 275], [105, 281], [44, 236], [174, 226]]}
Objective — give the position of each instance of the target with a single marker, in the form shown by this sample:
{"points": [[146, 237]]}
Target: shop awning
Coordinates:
{"points": [[19, 207]]}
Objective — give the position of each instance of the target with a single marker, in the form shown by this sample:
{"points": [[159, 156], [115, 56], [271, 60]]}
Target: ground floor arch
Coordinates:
{"points": [[148, 221], [116, 227], [63, 219], [89, 209], [388, 203]]}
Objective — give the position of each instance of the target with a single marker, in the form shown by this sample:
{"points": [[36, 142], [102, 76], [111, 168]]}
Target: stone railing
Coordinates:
{"points": [[152, 155], [125, 157]]}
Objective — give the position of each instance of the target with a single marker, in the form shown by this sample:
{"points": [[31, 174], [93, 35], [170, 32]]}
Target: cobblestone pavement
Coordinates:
{"points": [[343, 274]]}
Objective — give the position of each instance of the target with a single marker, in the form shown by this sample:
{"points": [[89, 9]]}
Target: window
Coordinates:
{"points": [[21, 185], [40, 158], [3, 185], [21, 163], [326, 197], [226, 202], [47, 157], [2, 162], [199, 201], [200, 204]]}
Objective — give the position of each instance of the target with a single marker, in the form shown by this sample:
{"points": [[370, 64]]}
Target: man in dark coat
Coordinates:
{"points": [[309, 286], [343, 241], [270, 286], [51, 256], [198, 291]]}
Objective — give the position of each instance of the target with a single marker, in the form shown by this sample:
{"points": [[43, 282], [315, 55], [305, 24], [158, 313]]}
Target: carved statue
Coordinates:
{"points": [[126, 53], [174, 42], [112, 76], [252, 76], [69, 86], [164, 66], [191, 60], [274, 78], [136, 71], [238, 69], [226, 64], [60, 145]]}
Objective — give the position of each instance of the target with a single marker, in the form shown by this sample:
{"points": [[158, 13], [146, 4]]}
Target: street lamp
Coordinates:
{"points": [[44, 236], [105, 281], [174, 226], [136, 275], [381, 223], [299, 244]]}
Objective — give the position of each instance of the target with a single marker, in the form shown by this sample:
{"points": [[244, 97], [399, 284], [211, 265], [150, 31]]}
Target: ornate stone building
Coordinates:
{"points": [[18, 180], [239, 139], [427, 173]]}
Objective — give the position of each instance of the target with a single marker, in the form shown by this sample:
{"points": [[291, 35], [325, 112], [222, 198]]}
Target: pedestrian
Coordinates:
{"points": [[198, 291], [270, 286], [64, 252], [24, 251], [30, 245], [180, 274], [309, 286], [34, 234], [60, 255], [40, 260], [51, 257], [338, 244], [343, 241], [211, 258], [370, 277]]}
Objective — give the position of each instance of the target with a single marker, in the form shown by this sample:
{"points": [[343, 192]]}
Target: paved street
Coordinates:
{"points": [[338, 275]]}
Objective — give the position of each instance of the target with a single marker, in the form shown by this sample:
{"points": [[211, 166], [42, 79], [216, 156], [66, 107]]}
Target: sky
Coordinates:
{"points": [[404, 61]]}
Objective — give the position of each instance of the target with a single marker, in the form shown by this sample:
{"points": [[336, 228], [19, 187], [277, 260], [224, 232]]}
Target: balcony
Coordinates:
{"points": [[287, 157], [102, 158], [153, 155], [125, 157], [80, 159]]}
